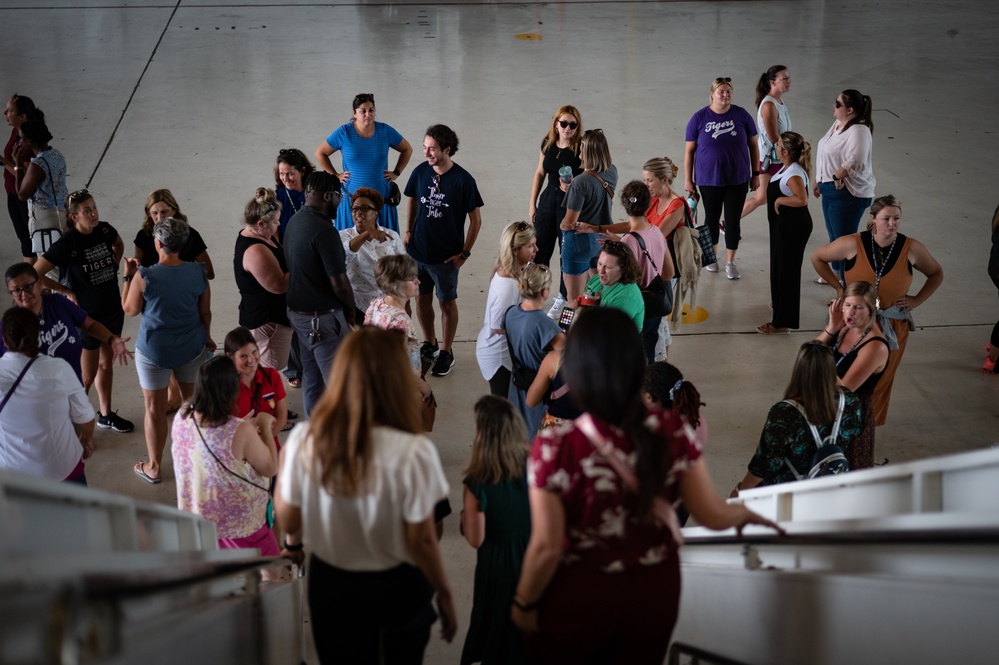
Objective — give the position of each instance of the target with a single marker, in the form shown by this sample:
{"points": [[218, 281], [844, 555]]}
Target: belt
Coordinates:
{"points": [[313, 312]]}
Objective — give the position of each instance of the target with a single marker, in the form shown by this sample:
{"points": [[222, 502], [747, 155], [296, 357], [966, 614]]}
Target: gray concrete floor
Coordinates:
{"points": [[198, 96]]}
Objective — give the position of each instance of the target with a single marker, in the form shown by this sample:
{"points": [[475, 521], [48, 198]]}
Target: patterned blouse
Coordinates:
{"points": [[786, 436], [601, 525], [382, 315], [205, 488]]}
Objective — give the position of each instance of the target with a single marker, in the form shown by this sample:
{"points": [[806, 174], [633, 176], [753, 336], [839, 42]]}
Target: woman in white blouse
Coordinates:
{"points": [[517, 247], [365, 243], [845, 178], [357, 487]]}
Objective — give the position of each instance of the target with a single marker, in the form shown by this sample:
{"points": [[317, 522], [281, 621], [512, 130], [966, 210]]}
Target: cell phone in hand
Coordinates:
{"points": [[565, 318]]}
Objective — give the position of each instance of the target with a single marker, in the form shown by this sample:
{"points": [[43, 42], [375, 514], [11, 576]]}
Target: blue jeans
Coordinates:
{"points": [[317, 356], [842, 211]]}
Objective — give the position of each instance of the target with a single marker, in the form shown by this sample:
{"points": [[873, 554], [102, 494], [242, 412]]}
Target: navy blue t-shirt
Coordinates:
{"points": [[443, 203]]}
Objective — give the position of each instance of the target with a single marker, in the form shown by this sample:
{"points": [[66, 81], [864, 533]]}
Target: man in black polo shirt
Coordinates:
{"points": [[320, 300]]}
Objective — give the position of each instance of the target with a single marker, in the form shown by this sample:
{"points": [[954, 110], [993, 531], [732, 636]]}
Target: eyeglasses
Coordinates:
{"points": [[360, 210], [28, 286], [80, 195], [839, 104], [568, 123]]}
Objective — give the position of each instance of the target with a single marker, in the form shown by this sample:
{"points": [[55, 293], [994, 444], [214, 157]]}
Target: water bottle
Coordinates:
{"points": [[565, 174], [692, 204]]}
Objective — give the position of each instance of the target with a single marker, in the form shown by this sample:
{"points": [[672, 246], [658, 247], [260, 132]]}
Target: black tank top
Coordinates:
{"points": [[257, 305]]}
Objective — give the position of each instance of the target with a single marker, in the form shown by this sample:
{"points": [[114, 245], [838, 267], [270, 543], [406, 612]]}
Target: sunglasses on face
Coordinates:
{"points": [[839, 104], [568, 123]]}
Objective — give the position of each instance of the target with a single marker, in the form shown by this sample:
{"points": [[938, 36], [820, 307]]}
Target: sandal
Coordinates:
{"points": [[139, 469], [769, 329], [989, 366], [288, 426], [173, 407], [295, 383], [292, 415]]}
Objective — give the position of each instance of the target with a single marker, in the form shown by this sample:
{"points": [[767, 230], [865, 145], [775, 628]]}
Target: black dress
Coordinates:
{"points": [[860, 453], [789, 231], [551, 203]]}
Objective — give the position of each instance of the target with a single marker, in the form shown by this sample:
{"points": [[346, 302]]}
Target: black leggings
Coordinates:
{"points": [[731, 198], [357, 616], [18, 211], [499, 385]]}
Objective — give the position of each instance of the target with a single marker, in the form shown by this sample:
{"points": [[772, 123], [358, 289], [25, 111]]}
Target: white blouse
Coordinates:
{"points": [[852, 150]]}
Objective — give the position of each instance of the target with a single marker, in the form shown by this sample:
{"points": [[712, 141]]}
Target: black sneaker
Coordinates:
{"points": [[115, 422], [429, 351], [443, 365]]}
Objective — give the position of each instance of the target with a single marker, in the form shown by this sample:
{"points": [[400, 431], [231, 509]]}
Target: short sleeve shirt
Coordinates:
{"points": [[58, 333], [589, 197], [722, 155], [381, 314], [193, 248], [92, 267], [314, 253], [625, 297], [602, 526], [438, 232]]}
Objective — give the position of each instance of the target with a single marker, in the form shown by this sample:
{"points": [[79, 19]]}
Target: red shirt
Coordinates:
{"points": [[655, 219], [601, 526], [269, 390]]}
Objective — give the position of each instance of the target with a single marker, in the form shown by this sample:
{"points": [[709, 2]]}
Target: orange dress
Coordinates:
{"points": [[896, 279]]}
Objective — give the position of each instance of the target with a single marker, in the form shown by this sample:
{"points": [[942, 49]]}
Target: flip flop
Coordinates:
{"points": [[288, 426], [292, 415], [295, 383], [769, 329], [141, 473]]}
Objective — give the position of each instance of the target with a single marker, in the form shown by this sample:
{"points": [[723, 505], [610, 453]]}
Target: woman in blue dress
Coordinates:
{"points": [[364, 144]]}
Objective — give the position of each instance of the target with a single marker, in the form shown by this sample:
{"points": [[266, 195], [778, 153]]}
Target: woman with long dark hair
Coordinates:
{"points": [[358, 486], [601, 573], [19, 109]]}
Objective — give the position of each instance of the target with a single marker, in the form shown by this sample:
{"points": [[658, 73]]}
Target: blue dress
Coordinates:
{"points": [[367, 161]]}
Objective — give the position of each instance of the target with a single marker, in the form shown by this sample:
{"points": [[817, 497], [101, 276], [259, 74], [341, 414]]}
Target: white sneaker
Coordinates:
{"points": [[732, 271], [712, 267], [557, 307]]}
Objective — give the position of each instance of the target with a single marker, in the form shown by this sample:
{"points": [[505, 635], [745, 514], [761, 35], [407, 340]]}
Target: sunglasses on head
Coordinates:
{"points": [[568, 123], [723, 79], [80, 195]]}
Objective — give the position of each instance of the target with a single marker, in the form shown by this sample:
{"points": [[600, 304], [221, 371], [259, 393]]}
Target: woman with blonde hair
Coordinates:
{"points": [[358, 486], [559, 150], [790, 227], [517, 247], [588, 209], [530, 335], [861, 354], [262, 279], [161, 204]]}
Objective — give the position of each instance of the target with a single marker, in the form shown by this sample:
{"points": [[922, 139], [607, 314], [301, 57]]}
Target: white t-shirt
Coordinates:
{"points": [[789, 172], [36, 424], [490, 348], [852, 149], [366, 532]]}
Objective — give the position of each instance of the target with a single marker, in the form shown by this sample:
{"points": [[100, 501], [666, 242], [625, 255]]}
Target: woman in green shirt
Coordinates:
{"points": [[616, 281]]}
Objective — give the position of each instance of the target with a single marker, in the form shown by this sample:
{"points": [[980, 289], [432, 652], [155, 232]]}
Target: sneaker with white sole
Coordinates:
{"points": [[430, 351], [732, 271], [114, 422], [443, 364], [712, 267], [556, 311]]}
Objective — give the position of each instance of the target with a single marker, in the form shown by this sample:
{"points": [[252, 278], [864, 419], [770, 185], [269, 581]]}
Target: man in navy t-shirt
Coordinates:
{"points": [[441, 195]]}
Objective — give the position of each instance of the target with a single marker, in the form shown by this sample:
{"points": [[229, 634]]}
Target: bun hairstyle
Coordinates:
{"points": [[862, 107], [880, 204], [662, 168], [35, 130], [635, 198], [534, 278], [263, 206], [766, 81], [800, 149], [665, 383]]}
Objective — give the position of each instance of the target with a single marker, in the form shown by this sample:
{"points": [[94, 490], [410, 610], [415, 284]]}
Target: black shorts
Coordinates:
{"points": [[115, 323]]}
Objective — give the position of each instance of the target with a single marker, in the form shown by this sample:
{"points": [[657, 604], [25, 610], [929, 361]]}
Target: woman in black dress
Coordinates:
{"points": [[790, 226], [559, 148]]}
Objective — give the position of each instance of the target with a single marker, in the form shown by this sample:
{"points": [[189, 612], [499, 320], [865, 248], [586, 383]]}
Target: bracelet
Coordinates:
{"points": [[756, 173], [831, 334], [524, 606], [126, 279], [293, 548], [836, 178], [396, 171]]}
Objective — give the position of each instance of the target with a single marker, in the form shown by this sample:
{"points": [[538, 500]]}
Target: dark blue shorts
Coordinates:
{"points": [[443, 276]]}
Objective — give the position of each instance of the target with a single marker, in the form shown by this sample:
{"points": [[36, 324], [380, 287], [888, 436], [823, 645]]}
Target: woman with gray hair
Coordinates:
{"points": [[174, 299]]}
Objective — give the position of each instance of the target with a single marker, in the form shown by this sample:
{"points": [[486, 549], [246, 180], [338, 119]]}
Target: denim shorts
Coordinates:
{"points": [[577, 251], [153, 377], [444, 276]]}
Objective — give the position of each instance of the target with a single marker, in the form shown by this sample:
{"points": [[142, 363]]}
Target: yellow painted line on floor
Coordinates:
{"points": [[529, 36]]}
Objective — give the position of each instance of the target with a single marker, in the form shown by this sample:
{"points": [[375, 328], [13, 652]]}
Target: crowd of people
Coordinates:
{"points": [[326, 271]]}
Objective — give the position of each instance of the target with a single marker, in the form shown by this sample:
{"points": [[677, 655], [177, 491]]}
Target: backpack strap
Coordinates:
{"points": [[607, 188], [819, 441]]}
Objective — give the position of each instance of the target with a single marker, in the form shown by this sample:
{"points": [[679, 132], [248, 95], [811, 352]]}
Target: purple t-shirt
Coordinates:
{"points": [[59, 335], [722, 155]]}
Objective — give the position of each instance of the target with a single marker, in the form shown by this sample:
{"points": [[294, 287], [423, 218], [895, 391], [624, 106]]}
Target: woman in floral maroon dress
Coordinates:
{"points": [[601, 577]]}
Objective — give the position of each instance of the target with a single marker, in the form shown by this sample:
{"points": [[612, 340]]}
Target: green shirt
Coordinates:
{"points": [[625, 297]]}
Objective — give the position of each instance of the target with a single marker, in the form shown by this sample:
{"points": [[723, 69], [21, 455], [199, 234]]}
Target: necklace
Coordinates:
{"points": [[291, 200], [850, 350], [884, 262]]}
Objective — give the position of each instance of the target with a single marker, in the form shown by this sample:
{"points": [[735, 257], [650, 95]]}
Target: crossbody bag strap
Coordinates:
{"points": [[641, 243], [509, 346], [16, 382], [607, 188], [221, 464], [604, 447]]}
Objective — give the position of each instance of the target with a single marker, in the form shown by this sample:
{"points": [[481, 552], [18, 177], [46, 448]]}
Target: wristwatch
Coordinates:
{"points": [[464, 254]]}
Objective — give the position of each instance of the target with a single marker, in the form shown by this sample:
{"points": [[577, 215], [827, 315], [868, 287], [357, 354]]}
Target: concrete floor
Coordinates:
{"points": [[198, 96]]}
